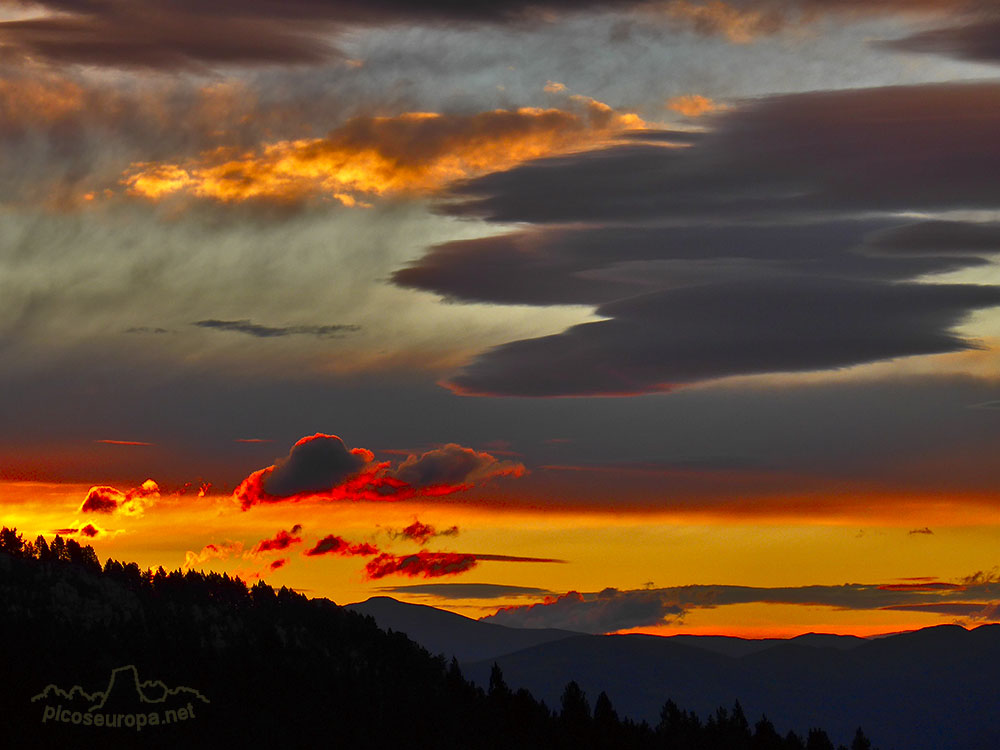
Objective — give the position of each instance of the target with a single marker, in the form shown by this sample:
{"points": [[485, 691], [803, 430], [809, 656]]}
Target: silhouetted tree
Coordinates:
{"points": [[497, 687], [860, 742], [765, 736], [818, 740], [11, 542], [42, 548]]}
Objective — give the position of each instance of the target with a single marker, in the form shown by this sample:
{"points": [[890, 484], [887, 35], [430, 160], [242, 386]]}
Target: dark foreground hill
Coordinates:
{"points": [[113, 656]]}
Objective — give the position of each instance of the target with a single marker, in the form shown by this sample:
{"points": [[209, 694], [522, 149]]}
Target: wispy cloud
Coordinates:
{"points": [[261, 331]]}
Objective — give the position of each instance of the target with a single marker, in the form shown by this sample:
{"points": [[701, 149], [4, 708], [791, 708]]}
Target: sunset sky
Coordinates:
{"points": [[668, 317]]}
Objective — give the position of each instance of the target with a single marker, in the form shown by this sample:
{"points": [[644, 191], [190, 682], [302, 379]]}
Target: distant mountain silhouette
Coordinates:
{"points": [[926, 690], [731, 646], [451, 634]]}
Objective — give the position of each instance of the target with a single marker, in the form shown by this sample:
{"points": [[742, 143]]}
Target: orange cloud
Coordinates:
{"points": [[716, 17], [38, 100], [408, 154], [211, 552], [693, 105], [743, 21]]}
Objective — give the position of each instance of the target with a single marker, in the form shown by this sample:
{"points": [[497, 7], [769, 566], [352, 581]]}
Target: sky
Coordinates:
{"points": [[616, 316]]}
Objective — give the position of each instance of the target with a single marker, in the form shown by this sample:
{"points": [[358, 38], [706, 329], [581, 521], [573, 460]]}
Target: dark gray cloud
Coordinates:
{"points": [[261, 331], [669, 338], [757, 249], [604, 612], [314, 464], [611, 609], [185, 34], [802, 155], [453, 465], [466, 590], [939, 238], [552, 266], [189, 34], [978, 39]]}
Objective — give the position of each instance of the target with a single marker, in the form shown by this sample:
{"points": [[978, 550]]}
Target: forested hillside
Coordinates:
{"points": [[204, 660]]}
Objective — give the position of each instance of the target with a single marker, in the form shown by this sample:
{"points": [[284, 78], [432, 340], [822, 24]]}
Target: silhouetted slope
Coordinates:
{"points": [[201, 661], [451, 634], [928, 690]]}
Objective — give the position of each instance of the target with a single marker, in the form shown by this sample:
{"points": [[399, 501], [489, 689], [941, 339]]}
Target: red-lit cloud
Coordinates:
{"points": [[422, 532], [317, 465], [322, 466], [280, 541], [90, 530], [423, 564], [278, 563], [453, 467], [103, 499], [335, 545]]}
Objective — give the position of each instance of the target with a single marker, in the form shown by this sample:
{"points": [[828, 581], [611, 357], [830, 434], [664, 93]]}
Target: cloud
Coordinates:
{"points": [[978, 39], [221, 551], [662, 340], [937, 238], [924, 530], [321, 466], [316, 465], [103, 499], [334, 545], [408, 154], [467, 590], [146, 329], [693, 105], [280, 541], [597, 264], [195, 36], [90, 530], [261, 331], [606, 611], [424, 564], [745, 21], [515, 558], [453, 467], [275, 564], [123, 442], [971, 610], [611, 609], [421, 532], [807, 154], [760, 248]]}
